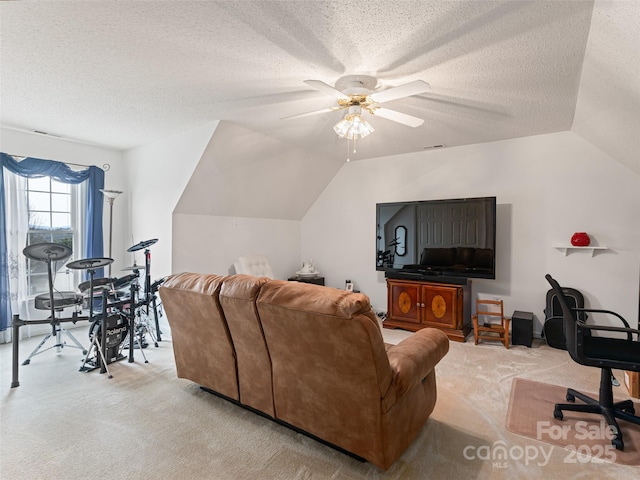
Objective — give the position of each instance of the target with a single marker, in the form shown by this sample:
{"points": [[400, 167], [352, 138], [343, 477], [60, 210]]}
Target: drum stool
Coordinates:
{"points": [[61, 300]]}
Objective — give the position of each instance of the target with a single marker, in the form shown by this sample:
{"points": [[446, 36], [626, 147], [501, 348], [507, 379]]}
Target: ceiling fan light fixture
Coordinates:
{"points": [[342, 127], [357, 94], [353, 126]]}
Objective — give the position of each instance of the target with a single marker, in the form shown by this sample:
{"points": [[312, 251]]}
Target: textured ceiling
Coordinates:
{"points": [[124, 73]]}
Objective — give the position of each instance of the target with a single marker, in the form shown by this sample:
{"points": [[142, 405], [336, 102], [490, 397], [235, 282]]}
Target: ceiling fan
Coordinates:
{"points": [[356, 93]]}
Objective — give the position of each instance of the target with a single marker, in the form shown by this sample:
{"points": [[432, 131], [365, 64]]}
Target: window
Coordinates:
{"points": [[52, 219]]}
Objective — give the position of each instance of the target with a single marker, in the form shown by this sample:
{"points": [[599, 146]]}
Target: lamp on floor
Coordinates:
{"points": [[110, 195]]}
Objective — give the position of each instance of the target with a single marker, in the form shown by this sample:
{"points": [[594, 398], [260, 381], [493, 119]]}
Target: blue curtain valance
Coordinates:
{"points": [[36, 167]]}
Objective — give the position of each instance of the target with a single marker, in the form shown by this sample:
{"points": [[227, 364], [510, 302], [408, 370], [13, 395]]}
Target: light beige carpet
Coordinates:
{"points": [[586, 437], [145, 423]]}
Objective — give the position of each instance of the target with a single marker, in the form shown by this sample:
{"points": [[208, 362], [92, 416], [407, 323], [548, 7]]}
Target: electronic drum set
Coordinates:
{"points": [[119, 314]]}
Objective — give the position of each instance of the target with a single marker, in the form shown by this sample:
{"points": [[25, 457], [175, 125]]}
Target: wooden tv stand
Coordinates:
{"points": [[416, 304]]}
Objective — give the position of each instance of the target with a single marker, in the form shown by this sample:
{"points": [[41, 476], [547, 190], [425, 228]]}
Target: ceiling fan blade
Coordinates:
{"points": [[325, 88], [403, 118], [307, 114], [406, 90]]}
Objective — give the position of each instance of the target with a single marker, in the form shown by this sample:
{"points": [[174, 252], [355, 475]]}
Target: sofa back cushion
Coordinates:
{"points": [[201, 341], [330, 368], [238, 299]]}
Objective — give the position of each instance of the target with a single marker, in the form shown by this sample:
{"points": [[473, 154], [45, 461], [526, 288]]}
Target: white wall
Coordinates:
{"points": [[16, 142], [161, 175], [208, 244], [547, 187], [157, 174]]}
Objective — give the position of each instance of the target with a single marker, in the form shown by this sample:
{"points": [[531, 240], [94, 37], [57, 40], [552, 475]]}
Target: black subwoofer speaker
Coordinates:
{"points": [[522, 328]]}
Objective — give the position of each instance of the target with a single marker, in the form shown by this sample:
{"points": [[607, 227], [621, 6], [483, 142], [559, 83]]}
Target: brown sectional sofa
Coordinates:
{"points": [[307, 356]]}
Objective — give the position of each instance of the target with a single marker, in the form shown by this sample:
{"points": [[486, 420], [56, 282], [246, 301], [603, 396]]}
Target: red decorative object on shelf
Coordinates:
{"points": [[580, 239]]}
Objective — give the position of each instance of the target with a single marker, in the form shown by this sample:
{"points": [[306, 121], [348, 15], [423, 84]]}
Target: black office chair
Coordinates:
{"points": [[602, 352]]}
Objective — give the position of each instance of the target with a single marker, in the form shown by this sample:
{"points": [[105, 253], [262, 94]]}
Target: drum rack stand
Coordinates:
{"points": [[47, 253], [56, 330], [134, 337], [17, 323]]}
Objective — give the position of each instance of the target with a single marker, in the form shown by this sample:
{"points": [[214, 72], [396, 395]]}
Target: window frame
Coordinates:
{"points": [[64, 279]]}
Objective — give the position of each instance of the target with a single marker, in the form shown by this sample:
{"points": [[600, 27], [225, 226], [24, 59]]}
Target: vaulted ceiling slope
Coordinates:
{"points": [[608, 107], [121, 74], [281, 182]]}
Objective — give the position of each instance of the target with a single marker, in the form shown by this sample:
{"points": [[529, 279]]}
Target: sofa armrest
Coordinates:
{"points": [[414, 358]]}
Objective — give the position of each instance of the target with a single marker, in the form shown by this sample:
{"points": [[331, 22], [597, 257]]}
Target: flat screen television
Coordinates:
{"points": [[453, 238]]}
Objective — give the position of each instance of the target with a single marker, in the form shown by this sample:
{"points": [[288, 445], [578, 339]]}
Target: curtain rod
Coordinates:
{"points": [[106, 167]]}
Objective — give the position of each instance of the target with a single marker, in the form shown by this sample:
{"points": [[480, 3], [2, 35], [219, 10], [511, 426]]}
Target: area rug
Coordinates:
{"points": [[585, 436]]}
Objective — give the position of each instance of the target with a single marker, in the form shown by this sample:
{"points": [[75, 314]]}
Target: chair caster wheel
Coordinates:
{"points": [[26, 362], [84, 352], [618, 443], [155, 344], [557, 414], [110, 376], [571, 397]]}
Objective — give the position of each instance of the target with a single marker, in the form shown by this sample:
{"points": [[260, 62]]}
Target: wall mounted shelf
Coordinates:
{"points": [[566, 249]]}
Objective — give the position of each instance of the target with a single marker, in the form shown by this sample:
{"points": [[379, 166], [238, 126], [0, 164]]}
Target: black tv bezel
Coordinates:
{"points": [[444, 276]]}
